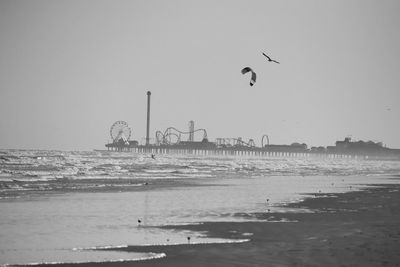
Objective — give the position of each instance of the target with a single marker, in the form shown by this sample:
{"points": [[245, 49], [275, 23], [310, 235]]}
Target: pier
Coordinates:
{"points": [[177, 142], [247, 153]]}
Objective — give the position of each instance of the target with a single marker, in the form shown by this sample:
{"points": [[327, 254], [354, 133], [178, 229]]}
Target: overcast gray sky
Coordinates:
{"points": [[70, 69]]}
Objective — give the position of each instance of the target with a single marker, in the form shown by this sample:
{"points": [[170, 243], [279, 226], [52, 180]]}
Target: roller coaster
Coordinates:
{"points": [[238, 142], [234, 142], [173, 136]]}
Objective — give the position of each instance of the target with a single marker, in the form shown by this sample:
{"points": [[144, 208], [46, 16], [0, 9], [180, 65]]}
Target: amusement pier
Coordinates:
{"points": [[174, 141]]}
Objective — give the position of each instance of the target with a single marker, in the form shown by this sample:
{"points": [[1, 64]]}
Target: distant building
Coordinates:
{"points": [[204, 144], [294, 147], [319, 149], [122, 145], [360, 147]]}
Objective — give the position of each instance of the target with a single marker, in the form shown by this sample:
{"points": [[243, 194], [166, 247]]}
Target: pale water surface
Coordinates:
{"points": [[60, 206]]}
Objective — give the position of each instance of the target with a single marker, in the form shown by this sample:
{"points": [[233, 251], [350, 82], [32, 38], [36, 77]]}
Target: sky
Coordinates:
{"points": [[70, 69]]}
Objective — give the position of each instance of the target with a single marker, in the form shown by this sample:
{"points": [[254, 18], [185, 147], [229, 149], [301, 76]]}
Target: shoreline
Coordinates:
{"points": [[358, 228]]}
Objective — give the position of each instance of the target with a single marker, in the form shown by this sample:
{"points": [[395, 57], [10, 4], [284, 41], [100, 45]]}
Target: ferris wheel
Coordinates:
{"points": [[120, 131]]}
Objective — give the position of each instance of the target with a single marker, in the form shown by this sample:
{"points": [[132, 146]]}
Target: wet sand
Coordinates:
{"points": [[351, 229]]}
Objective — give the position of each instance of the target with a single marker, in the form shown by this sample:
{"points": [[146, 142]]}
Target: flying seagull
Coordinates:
{"points": [[269, 59]]}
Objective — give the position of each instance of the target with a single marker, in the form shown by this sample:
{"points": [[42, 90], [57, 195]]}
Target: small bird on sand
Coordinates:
{"points": [[188, 238], [139, 222], [269, 59]]}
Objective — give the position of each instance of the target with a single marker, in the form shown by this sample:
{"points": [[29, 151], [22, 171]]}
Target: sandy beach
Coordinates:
{"points": [[360, 228]]}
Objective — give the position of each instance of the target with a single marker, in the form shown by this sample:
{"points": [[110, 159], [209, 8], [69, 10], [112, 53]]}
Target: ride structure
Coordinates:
{"points": [[173, 136], [174, 141], [120, 134]]}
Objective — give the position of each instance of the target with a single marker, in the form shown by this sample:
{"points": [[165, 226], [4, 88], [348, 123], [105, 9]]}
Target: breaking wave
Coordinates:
{"points": [[30, 170]]}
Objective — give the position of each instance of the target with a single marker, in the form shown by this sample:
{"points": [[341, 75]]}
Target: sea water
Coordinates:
{"points": [[60, 206]]}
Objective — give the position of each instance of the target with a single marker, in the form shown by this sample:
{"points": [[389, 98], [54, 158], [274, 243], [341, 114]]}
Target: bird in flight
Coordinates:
{"points": [[269, 59]]}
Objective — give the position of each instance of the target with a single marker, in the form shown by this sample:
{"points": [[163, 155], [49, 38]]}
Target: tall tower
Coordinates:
{"points": [[191, 131], [148, 119]]}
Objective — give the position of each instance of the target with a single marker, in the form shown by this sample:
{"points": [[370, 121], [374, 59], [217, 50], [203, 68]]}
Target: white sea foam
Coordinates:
{"points": [[161, 171], [209, 241], [247, 234], [35, 178], [101, 247], [151, 256], [180, 224], [10, 197], [195, 242]]}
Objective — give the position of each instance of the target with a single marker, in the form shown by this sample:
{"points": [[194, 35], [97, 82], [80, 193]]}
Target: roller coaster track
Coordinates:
{"points": [[172, 136], [235, 142]]}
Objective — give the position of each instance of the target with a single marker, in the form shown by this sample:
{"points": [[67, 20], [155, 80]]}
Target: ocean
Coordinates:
{"points": [[64, 207]]}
